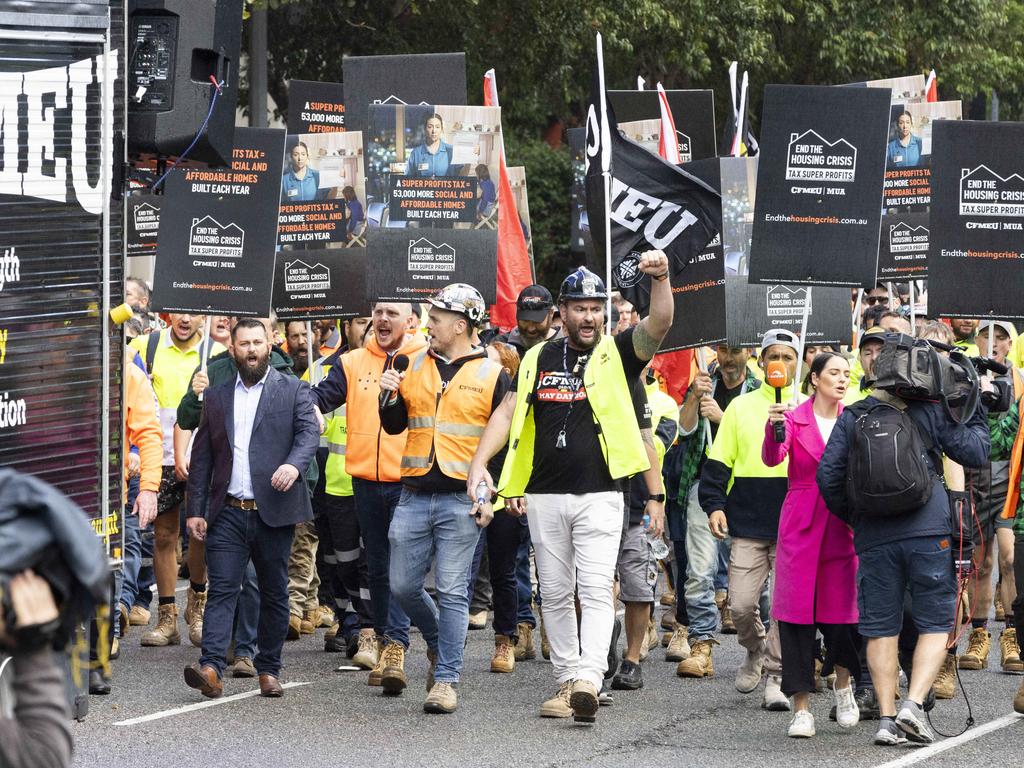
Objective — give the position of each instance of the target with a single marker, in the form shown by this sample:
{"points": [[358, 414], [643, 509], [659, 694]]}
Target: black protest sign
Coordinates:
{"points": [[581, 242], [976, 252], [218, 232], [324, 283], [323, 190], [820, 179], [142, 224], [693, 113], [907, 194], [425, 78], [315, 107], [752, 309], [433, 165], [410, 264]]}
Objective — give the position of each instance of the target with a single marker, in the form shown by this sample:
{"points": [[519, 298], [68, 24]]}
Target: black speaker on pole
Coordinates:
{"points": [[175, 47]]}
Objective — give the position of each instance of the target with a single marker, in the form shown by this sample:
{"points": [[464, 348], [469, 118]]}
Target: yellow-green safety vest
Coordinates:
{"points": [[614, 418], [337, 482]]}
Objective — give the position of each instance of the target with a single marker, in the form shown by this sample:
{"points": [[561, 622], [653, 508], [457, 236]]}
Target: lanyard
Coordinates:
{"points": [[560, 441]]}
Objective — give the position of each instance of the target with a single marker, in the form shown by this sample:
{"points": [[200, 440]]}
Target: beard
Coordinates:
{"points": [[572, 331], [252, 368]]}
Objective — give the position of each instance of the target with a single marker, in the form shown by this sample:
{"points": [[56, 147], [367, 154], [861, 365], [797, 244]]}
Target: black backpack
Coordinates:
{"points": [[888, 472]]}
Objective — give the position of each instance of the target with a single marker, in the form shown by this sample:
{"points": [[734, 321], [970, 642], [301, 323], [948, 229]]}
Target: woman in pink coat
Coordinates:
{"points": [[815, 564]]}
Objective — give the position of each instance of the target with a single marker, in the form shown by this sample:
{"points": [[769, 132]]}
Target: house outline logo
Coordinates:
{"points": [[788, 301], [811, 157], [392, 99], [208, 237], [300, 277], [145, 217], [427, 256], [983, 192], [904, 238], [685, 146]]}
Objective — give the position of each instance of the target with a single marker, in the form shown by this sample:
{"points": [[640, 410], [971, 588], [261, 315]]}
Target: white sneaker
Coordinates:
{"points": [[802, 725], [774, 699], [748, 676], [847, 711]]}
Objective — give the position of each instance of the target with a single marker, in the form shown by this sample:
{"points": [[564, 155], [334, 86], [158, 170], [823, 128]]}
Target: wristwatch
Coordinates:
{"points": [[658, 497]]}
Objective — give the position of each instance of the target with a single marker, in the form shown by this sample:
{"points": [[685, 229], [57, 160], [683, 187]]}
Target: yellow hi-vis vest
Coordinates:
{"points": [[337, 481], [614, 418], [446, 426]]}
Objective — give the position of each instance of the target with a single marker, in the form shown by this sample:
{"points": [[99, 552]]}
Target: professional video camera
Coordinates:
{"points": [[913, 369]]}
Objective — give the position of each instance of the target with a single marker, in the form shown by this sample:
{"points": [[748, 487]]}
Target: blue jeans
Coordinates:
{"points": [[722, 576], [134, 580], [235, 537], [425, 525], [702, 552], [524, 580], [375, 506], [247, 615]]}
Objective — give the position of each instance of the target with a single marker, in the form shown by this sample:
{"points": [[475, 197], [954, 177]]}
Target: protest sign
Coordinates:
{"points": [[218, 232], [322, 283], [909, 89], [976, 252], [752, 309], [903, 244], [425, 78], [315, 107], [517, 180], [820, 177], [142, 224], [692, 111], [409, 265], [581, 243], [433, 166], [323, 190]]}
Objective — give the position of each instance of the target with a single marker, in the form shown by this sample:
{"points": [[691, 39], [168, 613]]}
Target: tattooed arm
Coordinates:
{"points": [[652, 329]]}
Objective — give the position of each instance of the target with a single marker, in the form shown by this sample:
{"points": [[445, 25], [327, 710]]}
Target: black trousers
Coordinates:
{"points": [[800, 649], [345, 561], [682, 563], [502, 538], [1018, 577]]}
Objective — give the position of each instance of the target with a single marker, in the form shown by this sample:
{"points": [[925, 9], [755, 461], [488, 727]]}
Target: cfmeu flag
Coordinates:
{"points": [[514, 271], [651, 205]]}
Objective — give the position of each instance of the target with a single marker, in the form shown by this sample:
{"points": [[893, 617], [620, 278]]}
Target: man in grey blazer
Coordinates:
{"points": [[256, 437]]}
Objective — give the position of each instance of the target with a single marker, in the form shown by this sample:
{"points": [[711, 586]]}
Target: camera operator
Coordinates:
{"points": [[903, 549], [990, 486], [39, 734]]}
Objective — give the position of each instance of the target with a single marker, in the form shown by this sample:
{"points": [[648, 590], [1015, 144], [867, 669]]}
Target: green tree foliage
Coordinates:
{"points": [[543, 52]]}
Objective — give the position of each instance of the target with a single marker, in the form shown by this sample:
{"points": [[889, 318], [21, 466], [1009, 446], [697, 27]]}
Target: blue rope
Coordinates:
{"points": [[199, 133]]}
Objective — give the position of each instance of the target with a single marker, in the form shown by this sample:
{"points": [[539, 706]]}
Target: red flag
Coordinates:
{"points": [[931, 87], [514, 272]]}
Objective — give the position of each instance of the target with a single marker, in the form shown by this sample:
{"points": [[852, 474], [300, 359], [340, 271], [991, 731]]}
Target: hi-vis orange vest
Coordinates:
{"points": [[371, 453], [446, 426]]}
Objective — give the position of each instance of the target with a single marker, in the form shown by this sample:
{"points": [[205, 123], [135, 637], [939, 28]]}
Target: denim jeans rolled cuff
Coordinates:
{"points": [[438, 529], [375, 507], [702, 567]]}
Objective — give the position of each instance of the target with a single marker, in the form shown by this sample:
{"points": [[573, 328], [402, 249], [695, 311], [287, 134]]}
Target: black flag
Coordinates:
{"points": [[652, 204]]}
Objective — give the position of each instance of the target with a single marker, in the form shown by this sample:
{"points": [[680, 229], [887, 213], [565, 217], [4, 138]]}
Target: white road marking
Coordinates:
{"points": [[197, 706], [923, 753]]}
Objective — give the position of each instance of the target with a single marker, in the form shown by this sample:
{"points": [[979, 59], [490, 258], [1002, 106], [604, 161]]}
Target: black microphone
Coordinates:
{"points": [[400, 363], [775, 376]]}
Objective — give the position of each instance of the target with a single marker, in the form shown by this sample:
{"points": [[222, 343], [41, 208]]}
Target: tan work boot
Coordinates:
{"points": [[558, 705], [700, 663], [332, 631], [294, 627], [525, 649], [1009, 651], [478, 620], [195, 605], [393, 673], [166, 630], [945, 682], [442, 699], [1018, 700], [978, 646], [583, 701], [998, 604], [668, 620], [310, 620], [504, 659], [722, 601], [679, 646], [325, 616], [545, 646], [377, 673], [668, 597], [369, 653], [139, 616]]}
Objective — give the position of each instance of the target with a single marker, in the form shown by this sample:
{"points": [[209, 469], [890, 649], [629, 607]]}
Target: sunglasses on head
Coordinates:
{"points": [[872, 300]]}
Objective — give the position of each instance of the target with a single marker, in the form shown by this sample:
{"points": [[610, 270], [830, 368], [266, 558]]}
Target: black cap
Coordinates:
{"points": [[534, 304]]}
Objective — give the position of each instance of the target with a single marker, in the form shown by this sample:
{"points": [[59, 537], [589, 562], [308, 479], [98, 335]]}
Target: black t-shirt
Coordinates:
{"points": [[560, 404], [723, 396]]}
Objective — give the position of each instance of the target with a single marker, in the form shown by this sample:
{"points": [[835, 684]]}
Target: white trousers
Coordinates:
{"points": [[576, 541]]}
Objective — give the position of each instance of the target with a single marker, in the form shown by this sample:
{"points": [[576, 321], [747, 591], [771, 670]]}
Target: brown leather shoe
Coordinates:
{"points": [[270, 687], [205, 680]]}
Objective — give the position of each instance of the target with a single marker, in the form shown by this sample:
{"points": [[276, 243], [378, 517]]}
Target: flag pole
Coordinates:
{"points": [[204, 348], [913, 318], [803, 336], [703, 366], [606, 176], [855, 321]]}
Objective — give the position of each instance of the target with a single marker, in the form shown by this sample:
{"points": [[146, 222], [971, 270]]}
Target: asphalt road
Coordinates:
{"points": [[334, 719]]}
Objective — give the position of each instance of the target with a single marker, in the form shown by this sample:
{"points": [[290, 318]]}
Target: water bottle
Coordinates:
{"points": [[658, 546], [483, 495]]}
